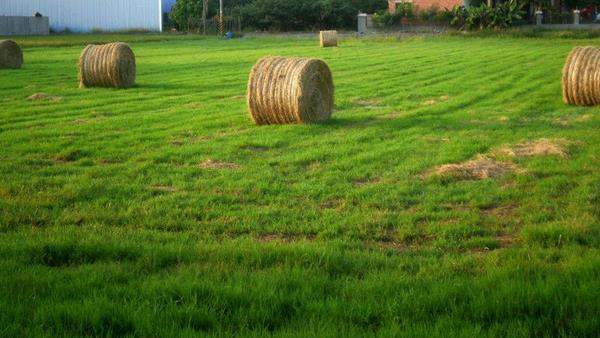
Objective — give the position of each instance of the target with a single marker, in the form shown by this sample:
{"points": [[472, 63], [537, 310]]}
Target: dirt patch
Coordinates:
{"points": [[70, 156], [435, 140], [108, 161], [479, 168], [192, 105], [432, 102], [256, 148], [332, 204], [80, 121], [365, 182], [283, 238], [566, 120], [44, 97], [392, 115], [540, 147], [215, 164], [163, 188], [501, 211], [395, 246], [368, 103], [503, 119], [505, 240]]}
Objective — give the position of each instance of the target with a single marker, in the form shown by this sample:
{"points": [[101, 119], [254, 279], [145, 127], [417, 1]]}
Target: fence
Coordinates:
{"points": [[230, 24], [24, 25]]}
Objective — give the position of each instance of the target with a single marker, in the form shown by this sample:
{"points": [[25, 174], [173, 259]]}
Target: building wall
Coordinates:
{"points": [[441, 4], [24, 25], [426, 4], [87, 15]]}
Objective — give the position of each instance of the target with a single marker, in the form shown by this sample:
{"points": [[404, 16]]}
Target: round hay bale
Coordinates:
{"points": [[110, 65], [290, 90], [328, 38], [11, 55], [581, 77]]}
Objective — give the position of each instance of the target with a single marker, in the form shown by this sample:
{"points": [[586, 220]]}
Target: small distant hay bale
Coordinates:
{"points": [[11, 55], [290, 90], [581, 77], [110, 65], [328, 38]]}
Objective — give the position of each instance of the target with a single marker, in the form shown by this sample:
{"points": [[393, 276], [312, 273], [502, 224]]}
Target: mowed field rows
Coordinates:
{"points": [[162, 210]]}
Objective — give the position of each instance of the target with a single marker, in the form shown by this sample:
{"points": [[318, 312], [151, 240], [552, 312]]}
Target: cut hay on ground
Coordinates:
{"points": [[479, 168], [581, 77], [44, 97], [290, 90], [328, 38], [540, 147], [110, 65], [11, 55]]}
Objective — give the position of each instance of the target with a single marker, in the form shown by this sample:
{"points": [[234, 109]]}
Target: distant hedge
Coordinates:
{"points": [[279, 15]]}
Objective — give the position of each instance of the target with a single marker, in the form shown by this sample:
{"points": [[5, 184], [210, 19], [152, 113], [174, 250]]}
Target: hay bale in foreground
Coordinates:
{"points": [[110, 65], [11, 55], [290, 90], [328, 38], [581, 77]]}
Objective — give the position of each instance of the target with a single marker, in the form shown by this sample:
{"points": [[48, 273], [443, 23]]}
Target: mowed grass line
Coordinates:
{"points": [[113, 225]]}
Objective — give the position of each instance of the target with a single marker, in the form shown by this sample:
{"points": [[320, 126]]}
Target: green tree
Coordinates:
{"points": [[187, 14]]}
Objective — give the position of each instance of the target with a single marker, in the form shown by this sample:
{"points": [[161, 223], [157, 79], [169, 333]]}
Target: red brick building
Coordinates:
{"points": [[425, 4]]}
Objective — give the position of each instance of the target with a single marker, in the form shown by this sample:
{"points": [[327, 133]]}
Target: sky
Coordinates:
{"points": [[167, 4]]}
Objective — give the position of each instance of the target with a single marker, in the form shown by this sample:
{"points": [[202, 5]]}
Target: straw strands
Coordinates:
{"points": [[11, 55], [290, 90], [110, 65], [581, 77], [328, 38]]}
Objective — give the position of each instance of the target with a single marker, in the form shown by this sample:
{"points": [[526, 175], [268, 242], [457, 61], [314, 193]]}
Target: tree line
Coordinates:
{"points": [[277, 15]]}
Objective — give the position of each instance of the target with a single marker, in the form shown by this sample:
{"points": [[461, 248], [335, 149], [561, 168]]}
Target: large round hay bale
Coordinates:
{"points": [[110, 65], [290, 90], [581, 77], [11, 55], [328, 38]]}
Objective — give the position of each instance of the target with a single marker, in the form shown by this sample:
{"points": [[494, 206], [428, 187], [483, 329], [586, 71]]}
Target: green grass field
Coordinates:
{"points": [[163, 211]]}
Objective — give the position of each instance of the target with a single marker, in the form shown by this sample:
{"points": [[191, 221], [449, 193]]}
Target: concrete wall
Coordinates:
{"points": [[24, 25], [88, 15]]}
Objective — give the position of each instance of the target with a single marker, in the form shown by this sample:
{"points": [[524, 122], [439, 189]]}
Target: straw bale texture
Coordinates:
{"points": [[581, 77], [110, 65], [290, 90], [11, 55], [328, 38]]}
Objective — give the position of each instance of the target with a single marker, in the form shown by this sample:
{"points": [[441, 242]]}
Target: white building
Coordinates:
{"points": [[89, 15]]}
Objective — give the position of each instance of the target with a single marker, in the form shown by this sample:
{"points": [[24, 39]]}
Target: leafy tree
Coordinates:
{"points": [[187, 14]]}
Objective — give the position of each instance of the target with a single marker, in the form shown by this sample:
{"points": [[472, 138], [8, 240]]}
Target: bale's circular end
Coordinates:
{"points": [[581, 77], [11, 55], [290, 90], [110, 65], [328, 38]]}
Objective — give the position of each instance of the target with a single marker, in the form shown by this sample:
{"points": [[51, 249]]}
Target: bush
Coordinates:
{"points": [[387, 19], [500, 16]]}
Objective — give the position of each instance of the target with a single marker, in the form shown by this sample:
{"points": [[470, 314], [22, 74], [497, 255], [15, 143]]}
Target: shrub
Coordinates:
{"points": [[500, 16]]}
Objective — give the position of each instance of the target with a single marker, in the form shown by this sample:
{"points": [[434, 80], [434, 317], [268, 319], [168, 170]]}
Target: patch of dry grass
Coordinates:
{"points": [[539, 147], [44, 97], [479, 168]]}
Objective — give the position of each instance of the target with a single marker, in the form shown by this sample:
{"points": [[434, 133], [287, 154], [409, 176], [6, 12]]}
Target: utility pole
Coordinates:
{"points": [[204, 13], [221, 19]]}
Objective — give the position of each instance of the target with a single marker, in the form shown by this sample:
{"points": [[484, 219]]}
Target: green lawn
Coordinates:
{"points": [[163, 211]]}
